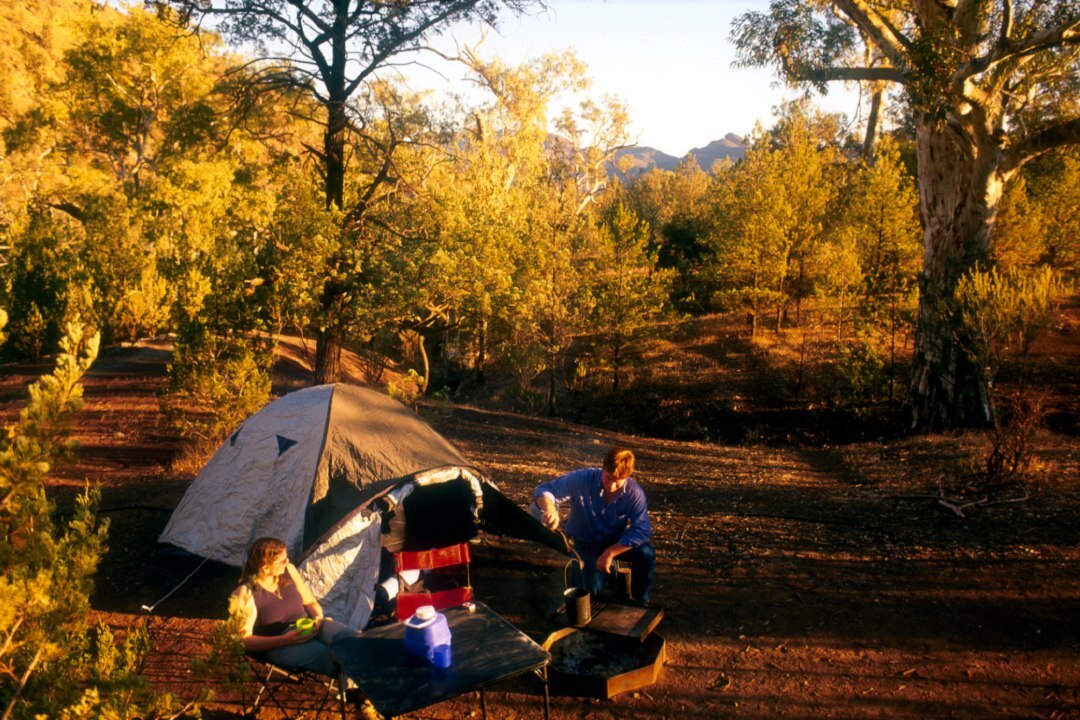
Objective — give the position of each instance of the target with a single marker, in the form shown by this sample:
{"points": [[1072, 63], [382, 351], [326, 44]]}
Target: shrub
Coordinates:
{"points": [[224, 660], [407, 388], [214, 384], [37, 280], [1008, 455], [54, 664], [864, 369], [999, 317]]}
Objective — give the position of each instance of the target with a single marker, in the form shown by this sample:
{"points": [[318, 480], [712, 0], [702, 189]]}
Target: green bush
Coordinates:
{"points": [[407, 389], [54, 664], [865, 371], [215, 383], [224, 661], [42, 272], [1000, 315]]}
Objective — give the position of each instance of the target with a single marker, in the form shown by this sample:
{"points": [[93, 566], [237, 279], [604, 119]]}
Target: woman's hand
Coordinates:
{"points": [[295, 637]]}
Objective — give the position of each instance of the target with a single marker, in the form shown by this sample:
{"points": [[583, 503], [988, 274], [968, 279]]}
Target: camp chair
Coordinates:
{"points": [[449, 556], [271, 676]]}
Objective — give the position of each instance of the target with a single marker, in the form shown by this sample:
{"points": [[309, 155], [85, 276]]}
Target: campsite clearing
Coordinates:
{"points": [[797, 582]]}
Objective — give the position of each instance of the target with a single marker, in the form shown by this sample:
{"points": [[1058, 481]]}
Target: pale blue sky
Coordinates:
{"points": [[670, 60]]}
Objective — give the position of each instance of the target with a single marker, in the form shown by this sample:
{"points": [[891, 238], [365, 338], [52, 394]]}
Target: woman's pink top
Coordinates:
{"points": [[273, 615]]}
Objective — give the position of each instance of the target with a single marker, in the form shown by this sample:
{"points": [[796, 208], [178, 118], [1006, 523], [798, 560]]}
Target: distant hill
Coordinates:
{"points": [[731, 146], [643, 158]]}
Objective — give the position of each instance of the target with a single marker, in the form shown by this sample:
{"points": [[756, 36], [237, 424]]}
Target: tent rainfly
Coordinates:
{"points": [[308, 469]]}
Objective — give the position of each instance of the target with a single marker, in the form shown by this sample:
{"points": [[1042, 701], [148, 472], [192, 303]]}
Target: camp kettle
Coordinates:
{"points": [[577, 600]]}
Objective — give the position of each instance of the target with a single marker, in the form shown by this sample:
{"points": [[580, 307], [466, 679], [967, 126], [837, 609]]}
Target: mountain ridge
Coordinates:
{"points": [[637, 159]]}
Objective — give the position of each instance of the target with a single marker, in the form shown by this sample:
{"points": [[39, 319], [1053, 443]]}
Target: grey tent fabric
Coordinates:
{"points": [[304, 469], [307, 469], [297, 466]]}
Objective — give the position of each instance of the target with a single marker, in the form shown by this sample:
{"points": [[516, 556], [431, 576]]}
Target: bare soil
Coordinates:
{"points": [[798, 581]]}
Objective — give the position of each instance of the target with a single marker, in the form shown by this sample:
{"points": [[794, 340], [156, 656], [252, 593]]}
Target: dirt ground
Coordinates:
{"points": [[800, 582]]}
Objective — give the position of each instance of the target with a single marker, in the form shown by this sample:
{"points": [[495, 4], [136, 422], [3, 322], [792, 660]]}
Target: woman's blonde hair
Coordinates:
{"points": [[259, 555], [619, 462]]}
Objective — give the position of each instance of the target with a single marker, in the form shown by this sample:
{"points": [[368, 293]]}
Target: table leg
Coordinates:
{"points": [[547, 696]]}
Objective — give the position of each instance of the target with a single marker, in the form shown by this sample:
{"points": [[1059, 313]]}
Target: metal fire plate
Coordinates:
{"points": [[600, 664]]}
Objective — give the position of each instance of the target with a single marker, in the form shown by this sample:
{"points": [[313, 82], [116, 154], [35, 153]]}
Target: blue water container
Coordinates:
{"points": [[425, 631]]}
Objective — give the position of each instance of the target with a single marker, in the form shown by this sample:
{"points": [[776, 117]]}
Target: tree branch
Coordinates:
{"points": [[1054, 136], [70, 208], [302, 10], [1065, 34], [869, 74], [22, 683], [891, 41], [378, 58], [257, 10], [1006, 23]]}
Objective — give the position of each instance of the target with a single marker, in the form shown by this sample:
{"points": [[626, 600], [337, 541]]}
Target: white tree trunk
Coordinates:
{"points": [[960, 186]]}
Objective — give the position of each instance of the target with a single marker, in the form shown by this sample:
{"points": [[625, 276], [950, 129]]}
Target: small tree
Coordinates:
{"points": [[629, 289], [53, 664], [45, 588], [1002, 314], [881, 221]]}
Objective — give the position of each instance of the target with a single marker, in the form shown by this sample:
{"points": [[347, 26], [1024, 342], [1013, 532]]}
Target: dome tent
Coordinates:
{"points": [[308, 467]]}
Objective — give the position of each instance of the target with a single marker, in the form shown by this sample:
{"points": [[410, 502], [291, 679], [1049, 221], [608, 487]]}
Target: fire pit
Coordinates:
{"points": [[599, 664]]}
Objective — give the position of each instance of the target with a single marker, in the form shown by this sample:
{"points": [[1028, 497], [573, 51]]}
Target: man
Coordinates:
{"points": [[608, 520]]}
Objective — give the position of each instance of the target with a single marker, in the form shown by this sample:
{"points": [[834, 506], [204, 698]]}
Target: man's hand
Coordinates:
{"points": [[603, 562], [549, 514]]}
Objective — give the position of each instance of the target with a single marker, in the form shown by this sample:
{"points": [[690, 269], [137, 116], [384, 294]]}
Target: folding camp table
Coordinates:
{"points": [[485, 650]]}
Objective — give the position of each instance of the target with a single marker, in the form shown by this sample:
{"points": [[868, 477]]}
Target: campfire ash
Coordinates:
{"points": [[594, 655]]}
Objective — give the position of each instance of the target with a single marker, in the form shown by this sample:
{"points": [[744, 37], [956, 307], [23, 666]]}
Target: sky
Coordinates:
{"points": [[669, 60]]}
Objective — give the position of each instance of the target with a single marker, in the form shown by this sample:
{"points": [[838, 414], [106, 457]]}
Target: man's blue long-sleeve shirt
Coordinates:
{"points": [[624, 520]]}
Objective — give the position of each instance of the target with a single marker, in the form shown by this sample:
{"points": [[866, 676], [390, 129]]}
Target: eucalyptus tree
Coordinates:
{"points": [[991, 84], [331, 50]]}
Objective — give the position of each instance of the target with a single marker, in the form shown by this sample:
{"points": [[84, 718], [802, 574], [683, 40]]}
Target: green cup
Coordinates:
{"points": [[305, 626]]}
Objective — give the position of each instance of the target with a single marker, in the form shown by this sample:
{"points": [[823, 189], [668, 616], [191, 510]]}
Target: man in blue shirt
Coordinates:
{"points": [[608, 519]]}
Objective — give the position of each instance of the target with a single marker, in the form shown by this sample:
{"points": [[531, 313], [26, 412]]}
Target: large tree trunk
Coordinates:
{"points": [[959, 186], [334, 150], [481, 350], [872, 122], [328, 341], [327, 356]]}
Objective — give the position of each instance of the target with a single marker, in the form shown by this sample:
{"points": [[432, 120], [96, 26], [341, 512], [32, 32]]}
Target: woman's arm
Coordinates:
{"points": [[311, 605]]}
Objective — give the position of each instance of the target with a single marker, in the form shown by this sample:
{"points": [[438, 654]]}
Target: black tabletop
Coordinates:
{"points": [[485, 649]]}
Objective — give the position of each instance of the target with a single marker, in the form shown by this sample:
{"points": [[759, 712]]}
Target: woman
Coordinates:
{"points": [[271, 598]]}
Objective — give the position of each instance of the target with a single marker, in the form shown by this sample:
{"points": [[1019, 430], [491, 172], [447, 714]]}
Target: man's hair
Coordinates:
{"points": [[619, 462], [261, 552]]}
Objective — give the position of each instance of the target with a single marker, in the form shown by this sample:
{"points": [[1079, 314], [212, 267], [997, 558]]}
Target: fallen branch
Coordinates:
{"points": [[959, 506]]}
